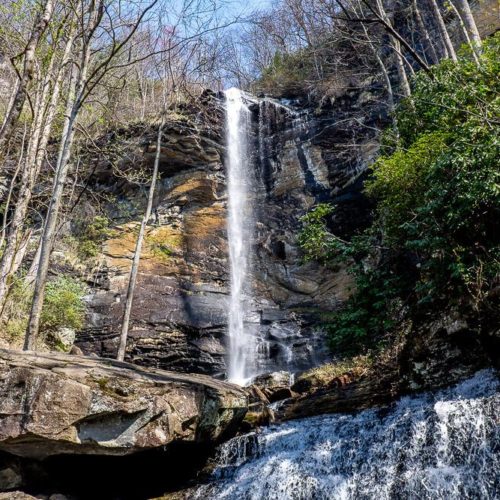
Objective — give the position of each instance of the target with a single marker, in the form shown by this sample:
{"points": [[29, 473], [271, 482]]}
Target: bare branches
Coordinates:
{"points": [[40, 25]]}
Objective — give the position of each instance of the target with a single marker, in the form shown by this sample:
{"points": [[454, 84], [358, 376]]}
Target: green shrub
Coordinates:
{"points": [[91, 235], [315, 240], [63, 305], [436, 231], [15, 313]]}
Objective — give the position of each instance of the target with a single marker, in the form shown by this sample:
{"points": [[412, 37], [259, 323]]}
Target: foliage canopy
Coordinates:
{"points": [[435, 235]]}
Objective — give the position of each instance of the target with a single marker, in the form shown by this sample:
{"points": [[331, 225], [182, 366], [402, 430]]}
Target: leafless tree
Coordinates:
{"points": [[26, 74]]}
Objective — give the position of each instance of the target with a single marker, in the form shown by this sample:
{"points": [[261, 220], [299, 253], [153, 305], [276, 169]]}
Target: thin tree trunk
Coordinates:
{"points": [[400, 64], [137, 253], [389, 28], [48, 233], [465, 32], [17, 104], [470, 23], [425, 32], [17, 221], [85, 84], [44, 117], [385, 74], [11, 189], [388, 84], [443, 30], [403, 77], [30, 277], [19, 257]]}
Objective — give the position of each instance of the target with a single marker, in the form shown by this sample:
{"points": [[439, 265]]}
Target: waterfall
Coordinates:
{"points": [[261, 136], [441, 445], [241, 351]]}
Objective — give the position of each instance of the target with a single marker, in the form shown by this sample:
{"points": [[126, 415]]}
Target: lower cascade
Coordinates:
{"points": [[435, 445]]}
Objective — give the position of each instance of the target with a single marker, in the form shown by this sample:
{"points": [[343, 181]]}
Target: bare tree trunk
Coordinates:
{"points": [[85, 83], [443, 30], [425, 32], [388, 84], [137, 253], [48, 233], [470, 23], [17, 221], [40, 131], [465, 32], [33, 270], [17, 104], [403, 78], [385, 74], [11, 189], [400, 64]]}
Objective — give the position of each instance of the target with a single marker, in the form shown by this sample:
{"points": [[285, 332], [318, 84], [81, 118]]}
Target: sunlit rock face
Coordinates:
{"points": [[433, 445], [179, 315], [56, 404], [298, 156]]}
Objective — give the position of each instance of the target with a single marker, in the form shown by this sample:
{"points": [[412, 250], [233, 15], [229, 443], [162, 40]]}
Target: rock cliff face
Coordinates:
{"points": [[179, 308], [300, 156]]}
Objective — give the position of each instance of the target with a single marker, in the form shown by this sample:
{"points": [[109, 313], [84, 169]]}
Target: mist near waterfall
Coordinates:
{"points": [[434, 445]]}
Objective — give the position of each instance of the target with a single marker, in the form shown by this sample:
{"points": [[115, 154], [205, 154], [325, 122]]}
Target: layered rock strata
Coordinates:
{"points": [[299, 157]]}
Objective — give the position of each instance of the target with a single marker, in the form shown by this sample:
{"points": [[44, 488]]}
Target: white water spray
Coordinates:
{"points": [[431, 446], [241, 342]]}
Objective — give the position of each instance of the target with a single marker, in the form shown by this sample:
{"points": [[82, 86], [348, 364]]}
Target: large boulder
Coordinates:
{"points": [[53, 404], [275, 385]]}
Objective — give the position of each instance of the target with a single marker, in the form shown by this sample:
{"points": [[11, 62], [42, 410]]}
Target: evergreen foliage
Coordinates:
{"points": [[435, 236]]}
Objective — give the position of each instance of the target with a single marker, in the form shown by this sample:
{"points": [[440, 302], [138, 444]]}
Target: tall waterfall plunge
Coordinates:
{"points": [[443, 445], [268, 163], [240, 230]]}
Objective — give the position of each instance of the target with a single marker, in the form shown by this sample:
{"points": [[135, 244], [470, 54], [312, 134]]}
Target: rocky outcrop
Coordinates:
{"points": [[19, 495], [60, 404], [179, 313], [369, 391], [274, 386], [433, 352]]}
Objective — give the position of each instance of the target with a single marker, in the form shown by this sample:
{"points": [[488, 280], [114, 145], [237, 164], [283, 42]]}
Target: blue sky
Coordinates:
{"points": [[249, 5]]}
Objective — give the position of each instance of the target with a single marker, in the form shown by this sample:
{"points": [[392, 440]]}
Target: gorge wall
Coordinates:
{"points": [[300, 155]]}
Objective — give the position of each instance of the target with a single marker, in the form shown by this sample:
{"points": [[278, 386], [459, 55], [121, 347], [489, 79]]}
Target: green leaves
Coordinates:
{"points": [[91, 235], [315, 239], [438, 193], [63, 305], [436, 231]]}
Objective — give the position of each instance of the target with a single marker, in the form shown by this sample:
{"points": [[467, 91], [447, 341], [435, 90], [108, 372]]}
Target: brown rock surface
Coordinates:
{"points": [[434, 352], [52, 404], [16, 495], [179, 316]]}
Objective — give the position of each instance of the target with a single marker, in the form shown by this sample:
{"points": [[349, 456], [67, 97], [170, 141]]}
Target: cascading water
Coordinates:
{"points": [[241, 342], [258, 130], [442, 445]]}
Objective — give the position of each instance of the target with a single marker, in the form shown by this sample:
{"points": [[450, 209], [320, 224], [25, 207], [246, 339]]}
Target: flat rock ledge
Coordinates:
{"points": [[53, 404]]}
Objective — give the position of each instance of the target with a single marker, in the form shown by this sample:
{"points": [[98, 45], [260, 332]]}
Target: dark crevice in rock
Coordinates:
{"points": [[139, 476]]}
